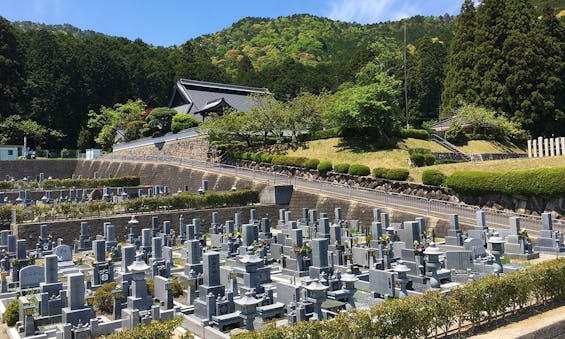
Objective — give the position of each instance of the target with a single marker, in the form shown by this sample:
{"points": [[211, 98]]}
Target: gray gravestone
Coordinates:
{"points": [[31, 276]]}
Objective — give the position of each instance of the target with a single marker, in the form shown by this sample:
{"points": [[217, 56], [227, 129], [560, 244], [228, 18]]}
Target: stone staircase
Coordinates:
{"points": [[450, 147]]}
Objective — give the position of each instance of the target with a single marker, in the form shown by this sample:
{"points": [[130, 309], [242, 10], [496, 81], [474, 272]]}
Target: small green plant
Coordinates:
{"points": [[12, 313]]}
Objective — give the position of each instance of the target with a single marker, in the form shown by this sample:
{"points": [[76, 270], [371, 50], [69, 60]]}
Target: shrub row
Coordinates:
{"points": [[400, 174], [128, 181], [433, 312], [421, 134], [547, 182], [433, 177], [324, 166], [421, 157], [321, 134], [191, 200]]}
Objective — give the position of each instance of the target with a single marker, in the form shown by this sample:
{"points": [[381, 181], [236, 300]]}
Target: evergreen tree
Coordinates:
{"points": [[427, 81], [11, 68], [458, 84]]}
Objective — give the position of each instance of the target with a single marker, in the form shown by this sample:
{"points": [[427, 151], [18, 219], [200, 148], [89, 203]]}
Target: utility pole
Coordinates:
{"points": [[405, 79]]}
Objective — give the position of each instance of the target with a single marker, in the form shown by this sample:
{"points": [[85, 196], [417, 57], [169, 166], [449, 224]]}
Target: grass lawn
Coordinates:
{"points": [[338, 151], [484, 146], [492, 166]]}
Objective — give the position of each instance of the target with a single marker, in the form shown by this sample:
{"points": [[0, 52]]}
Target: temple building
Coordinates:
{"points": [[200, 98]]}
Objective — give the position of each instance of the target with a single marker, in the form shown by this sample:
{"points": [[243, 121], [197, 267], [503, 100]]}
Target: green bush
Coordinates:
{"points": [[418, 159], [183, 121], [256, 157], [546, 182], [156, 329], [127, 181], [289, 161], [6, 185], [429, 159], [419, 150], [433, 177], [311, 163], [415, 133], [12, 313], [379, 172], [358, 169], [321, 134], [266, 157], [324, 167], [103, 298], [176, 287], [400, 174], [341, 168]]}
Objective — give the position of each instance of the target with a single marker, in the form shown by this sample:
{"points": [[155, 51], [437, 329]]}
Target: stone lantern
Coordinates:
{"points": [[317, 295], [497, 250], [433, 264], [349, 280], [248, 305], [139, 298], [402, 278]]}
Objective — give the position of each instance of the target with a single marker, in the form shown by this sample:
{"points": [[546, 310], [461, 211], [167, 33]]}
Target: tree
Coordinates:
{"points": [[232, 125], [11, 68], [427, 82], [103, 298], [458, 85], [183, 121], [160, 120], [303, 113], [14, 128], [375, 106]]}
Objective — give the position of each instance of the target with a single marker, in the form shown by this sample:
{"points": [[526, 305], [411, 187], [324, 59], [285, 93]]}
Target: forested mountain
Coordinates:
{"points": [[53, 75]]}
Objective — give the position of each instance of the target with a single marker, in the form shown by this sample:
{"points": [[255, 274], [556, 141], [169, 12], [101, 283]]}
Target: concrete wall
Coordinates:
{"points": [[193, 148]]}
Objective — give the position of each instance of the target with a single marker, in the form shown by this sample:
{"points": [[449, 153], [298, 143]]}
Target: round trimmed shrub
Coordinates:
{"points": [[379, 172], [433, 177], [12, 313], [400, 174], [341, 168], [418, 159], [183, 121], [266, 157], [324, 167], [358, 169], [311, 163], [429, 159]]}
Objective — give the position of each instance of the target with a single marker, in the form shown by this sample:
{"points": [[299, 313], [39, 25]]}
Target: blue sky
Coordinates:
{"points": [[172, 22]]}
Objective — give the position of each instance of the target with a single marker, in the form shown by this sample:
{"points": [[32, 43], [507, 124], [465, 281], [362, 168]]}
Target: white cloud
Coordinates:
{"points": [[370, 11]]}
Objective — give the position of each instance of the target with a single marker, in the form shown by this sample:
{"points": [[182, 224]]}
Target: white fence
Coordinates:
{"points": [[546, 147]]}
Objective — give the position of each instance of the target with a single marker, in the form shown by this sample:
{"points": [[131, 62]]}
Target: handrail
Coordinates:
{"points": [[427, 206]]}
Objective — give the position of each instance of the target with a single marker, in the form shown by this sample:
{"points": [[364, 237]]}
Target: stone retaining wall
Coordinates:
{"points": [[19, 169], [193, 148]]}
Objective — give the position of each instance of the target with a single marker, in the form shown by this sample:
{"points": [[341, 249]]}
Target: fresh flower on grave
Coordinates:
{"points": [[230, 235], [238, 235], [523, 233], [384, 239], [297, 249], [307, 248]]}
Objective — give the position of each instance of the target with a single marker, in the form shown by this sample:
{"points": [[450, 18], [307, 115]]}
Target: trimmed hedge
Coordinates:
{"points": [[399, 174], [192, 200], [321, 134], [357, 169], [547, 182], [429, 159], [433, 177], [421, 134], [324, 167], [311, 163], [418, 159], [341, 168], [424, 315], [12, 313], [128, 181]]}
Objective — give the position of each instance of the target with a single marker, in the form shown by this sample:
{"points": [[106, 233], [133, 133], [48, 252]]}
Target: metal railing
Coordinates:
{"points": [[379, 198]]}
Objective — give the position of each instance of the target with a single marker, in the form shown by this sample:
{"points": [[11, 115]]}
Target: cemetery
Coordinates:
{"points": [[232, 274]]}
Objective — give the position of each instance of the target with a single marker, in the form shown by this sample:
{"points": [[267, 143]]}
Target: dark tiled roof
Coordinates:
{"points": [[198, 97]]}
